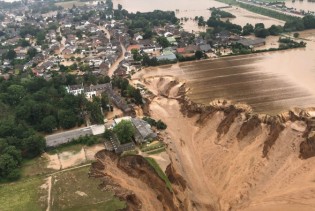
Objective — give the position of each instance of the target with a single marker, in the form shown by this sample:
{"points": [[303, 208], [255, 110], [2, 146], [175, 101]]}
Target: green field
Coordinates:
{"points": [[159, 171], [35, 167], [24, 195], [71, 190], [74, 190]]}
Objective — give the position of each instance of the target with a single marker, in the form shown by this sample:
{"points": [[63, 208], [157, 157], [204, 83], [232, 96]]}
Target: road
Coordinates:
{"points": [[276, 10], [114, 67]]}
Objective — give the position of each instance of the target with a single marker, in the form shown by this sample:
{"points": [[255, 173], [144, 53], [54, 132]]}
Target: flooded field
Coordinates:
{"points": [[268, 82], [190, 9], [301, 5]]}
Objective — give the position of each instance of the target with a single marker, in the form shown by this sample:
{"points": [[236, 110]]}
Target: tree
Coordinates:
{"points": [[275, 30], [48, 124], [161, 125], [163, 42], [201, 21], [259, 26], [67, 119], [11, 54], [124, 131], [120, 7], [104, 101], [8, 167], [24, 43], [198, 54], [59, 38], [296, 35], [309, 21], [138, 97], [248, 29], [95, 111], [33, 146], [15, 94], [31, 52], [261, 32]]}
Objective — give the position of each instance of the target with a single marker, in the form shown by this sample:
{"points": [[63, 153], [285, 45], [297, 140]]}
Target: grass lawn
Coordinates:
{"points": [[153, 146], [24, 195], [158, 151], [36, 166], [73, 148], [159, 171], [74, 190]]}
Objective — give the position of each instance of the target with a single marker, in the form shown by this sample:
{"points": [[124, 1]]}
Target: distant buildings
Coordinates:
{"points": [[94, 90]]}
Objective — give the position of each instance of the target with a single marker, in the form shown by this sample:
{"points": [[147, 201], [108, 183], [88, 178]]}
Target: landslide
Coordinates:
{"points": [[133, 180], [232, 159]]}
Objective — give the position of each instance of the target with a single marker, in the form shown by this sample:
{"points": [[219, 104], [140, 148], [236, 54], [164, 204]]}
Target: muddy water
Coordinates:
{"points": [[190, 9], [269, 82], [301, 5]]}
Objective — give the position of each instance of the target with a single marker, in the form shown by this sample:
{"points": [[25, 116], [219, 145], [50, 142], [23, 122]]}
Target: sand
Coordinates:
{"points": [[69, 159]]}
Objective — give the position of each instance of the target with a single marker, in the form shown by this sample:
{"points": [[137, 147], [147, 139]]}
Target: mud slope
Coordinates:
{"points": [[132, 179], [233, 160]]}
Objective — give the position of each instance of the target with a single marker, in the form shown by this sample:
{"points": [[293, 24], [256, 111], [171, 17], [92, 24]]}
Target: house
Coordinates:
{"points": [[143, 132], [191, 49], [170, 56], [172, 40], [133, 47], [180, 50], [75, 89], [252, 42], [138, 36], [205, 47]]}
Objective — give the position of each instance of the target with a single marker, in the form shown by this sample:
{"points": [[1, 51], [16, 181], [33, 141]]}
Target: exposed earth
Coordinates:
{"points": [[223, 157]]}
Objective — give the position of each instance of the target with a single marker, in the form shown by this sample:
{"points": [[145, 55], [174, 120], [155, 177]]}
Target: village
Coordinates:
{"points": [[89, 42]]}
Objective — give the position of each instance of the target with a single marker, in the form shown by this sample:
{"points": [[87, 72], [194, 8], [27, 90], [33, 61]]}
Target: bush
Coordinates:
{"points": [[158, 124]]}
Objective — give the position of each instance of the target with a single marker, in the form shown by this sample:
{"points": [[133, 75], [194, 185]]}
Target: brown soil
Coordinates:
{"points": [[133, 180], [225, 158]]}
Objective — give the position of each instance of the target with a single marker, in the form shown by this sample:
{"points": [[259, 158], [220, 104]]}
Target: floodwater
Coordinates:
{"points": [[269, 82], [301, 5], [191, 9]]}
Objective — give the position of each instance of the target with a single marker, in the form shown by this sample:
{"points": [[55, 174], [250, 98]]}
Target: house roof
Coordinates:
{"points": [[205, 47], [131, 47], [143, 128], [180, 50], [169, 56], [250, 42]]}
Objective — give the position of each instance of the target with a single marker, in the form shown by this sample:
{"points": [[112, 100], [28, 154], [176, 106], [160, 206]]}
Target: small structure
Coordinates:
{"points": [[167, 55], [252, 42], [143, 130], [57, 139]]}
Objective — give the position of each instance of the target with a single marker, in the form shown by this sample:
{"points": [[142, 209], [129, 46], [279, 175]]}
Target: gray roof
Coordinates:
{"points": [[205, 47], [99, 87], [250, 42], [170, 57], [143, 128]]}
